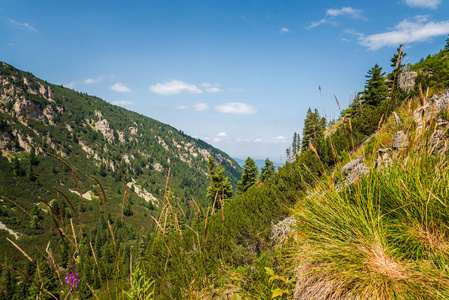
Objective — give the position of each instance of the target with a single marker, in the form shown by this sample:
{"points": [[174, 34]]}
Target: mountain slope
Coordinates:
{"points": [[97, 139]]}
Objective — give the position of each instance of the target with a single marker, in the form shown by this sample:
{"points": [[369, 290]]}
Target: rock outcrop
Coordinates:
{"points": [[406, 80], [103, 127]]}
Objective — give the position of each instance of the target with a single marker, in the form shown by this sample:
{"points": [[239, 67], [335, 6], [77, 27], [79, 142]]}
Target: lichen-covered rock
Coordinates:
{"points": [[282, 229], [432, 107], [354, 170], [438, 141], [384, 157], [400, 140], [406, 80]]}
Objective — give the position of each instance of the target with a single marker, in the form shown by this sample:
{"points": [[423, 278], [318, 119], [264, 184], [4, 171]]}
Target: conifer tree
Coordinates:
{"points": [[296, 145], [314, 126], [249, 176], [267, 170], [376, 89], [220, 189], [397, 63]]}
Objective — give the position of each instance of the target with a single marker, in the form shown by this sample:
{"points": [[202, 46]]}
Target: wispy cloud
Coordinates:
{"points": [[331, 13], [236, 108], [278, 139], [174, 87], [120, 87], [122, 102], [98, 79], [201, 106], [24, 26], [285, 30], [222, 134], [214, 90], [216, 140], [418, 29], [432, 4], [70, 85], [182, 107]]}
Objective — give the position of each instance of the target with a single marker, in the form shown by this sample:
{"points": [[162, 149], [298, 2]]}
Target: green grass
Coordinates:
{"points": [[385, 237]]}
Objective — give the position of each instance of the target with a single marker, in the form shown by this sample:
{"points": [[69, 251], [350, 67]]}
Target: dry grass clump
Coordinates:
{"points": [[384, 237]]}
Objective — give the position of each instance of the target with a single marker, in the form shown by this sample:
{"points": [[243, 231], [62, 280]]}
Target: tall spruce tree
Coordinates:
{"points": [[314, 126], [220, 189], [376, 89], [267, 170], [296, 144], [249, 176]]}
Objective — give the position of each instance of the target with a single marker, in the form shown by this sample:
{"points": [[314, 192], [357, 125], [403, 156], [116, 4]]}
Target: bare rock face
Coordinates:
{"points": [[28, 108], [6, 141], [406, 80], [281, 230], [438, 141], [103, 127], [401, 140], [134, 130], [121, 137], [431, 108], [384, 157], [46, 92], [354, 170]]}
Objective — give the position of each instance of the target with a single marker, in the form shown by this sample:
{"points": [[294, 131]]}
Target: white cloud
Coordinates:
{"points": [[258, 140], [213, 90], [182, 107], [222, 134], [216, 140], [423, 3], [120, 87], [201, 106], [285, 30], [278, 139], [93, 80], [174, 87], [349, 11], [122, 102], [331, 13], [207, 138], [206, 84], [25, 26], [417, 29], [69, 85], [236, 108]]}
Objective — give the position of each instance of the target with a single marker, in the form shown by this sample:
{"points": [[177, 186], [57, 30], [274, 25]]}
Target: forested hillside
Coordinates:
{"points": [[57, 143], [359, 211]]}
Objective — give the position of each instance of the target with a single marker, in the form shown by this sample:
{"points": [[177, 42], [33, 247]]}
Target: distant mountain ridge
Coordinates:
{"points": [[260, 163]]}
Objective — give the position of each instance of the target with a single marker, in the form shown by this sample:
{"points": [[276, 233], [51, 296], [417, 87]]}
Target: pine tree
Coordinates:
{"points": [[296, 145], [220, 189], [447, 44], [267, 170], [314, 126], [376, 89], [249, 176], [397, 64]]}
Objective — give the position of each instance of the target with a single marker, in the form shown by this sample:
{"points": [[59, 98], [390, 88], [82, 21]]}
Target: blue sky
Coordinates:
{"points": [[238, 74]]}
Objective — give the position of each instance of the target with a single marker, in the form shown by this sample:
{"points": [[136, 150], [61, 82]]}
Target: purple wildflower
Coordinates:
{"points": [[72, 280]]}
